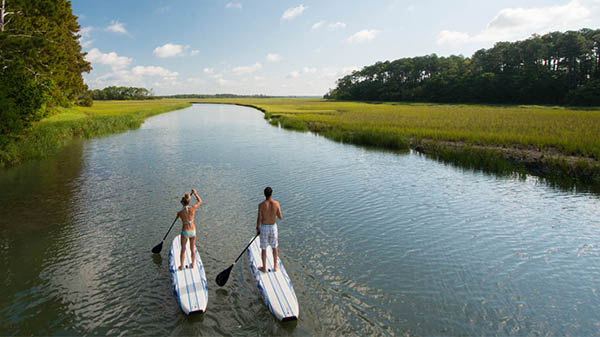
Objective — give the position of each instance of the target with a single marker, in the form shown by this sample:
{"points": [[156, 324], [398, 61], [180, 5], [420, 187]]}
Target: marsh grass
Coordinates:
{"points": [[568, 131], [480, 132], [105, 117]]}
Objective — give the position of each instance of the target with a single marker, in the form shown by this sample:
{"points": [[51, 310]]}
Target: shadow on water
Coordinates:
{"points": [[157, 259], [42, 192]]}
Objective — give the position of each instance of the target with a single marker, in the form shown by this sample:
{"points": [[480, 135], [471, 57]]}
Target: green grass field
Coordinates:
{"points": [[105, 117], [478, 130], [567, 131]]}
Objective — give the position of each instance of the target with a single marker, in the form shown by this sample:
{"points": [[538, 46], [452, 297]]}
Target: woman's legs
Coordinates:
{"points": [[182, 256], [193, 250]]}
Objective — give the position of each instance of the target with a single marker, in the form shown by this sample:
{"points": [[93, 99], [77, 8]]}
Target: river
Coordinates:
{"points": [[375, 242]]}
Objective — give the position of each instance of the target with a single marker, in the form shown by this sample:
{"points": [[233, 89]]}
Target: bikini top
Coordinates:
{"points": [[186, 209]]}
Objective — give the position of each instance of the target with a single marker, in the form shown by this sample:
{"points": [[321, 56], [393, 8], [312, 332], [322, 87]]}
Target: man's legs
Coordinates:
{"points": [[275, 246], [275, 251], [264, 260]]}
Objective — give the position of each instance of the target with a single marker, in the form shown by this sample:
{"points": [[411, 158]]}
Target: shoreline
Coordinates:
{"points": [[49, 135], [553, 166], [550, 164]]}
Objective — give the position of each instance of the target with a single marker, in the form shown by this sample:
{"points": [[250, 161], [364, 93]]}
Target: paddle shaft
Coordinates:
{"points": [[173, 224], [243, 251]]}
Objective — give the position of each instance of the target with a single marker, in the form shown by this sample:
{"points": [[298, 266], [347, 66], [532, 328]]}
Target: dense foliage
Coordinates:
{"points": [[40, 61], [556, 68], [121, 93]]}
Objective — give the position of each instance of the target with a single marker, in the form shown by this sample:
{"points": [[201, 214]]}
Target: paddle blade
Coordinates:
{"points": [[223, 276], [157, 248]]}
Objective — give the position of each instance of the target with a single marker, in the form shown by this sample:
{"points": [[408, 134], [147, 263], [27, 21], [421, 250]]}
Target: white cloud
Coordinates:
{"points": [[87, 44], [337, 25], [363, 36], [236, 5], [111, 59], [305, 70], [222, 82], [273, 57], [168, 50], [318, 25], [292, 13], [450, 37], [117, 27], [209, 70], [153, 71], [334, 73], [247, 69], [194, 52], [85, 31], [161, 10], [518, 23]]}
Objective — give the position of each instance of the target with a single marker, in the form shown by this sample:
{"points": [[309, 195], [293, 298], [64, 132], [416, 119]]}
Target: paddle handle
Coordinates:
{"points": [[170, 228], [243, 251]]}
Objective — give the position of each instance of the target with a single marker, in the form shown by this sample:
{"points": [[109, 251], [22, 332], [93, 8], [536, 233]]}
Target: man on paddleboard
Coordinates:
{"points": [[268, 210]]}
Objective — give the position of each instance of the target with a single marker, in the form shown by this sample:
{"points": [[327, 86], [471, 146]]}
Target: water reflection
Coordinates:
{"points": [[376, 243], [36, 207]]}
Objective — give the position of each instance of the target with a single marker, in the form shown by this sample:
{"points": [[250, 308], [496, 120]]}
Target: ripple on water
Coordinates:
{"points": [[376, 243]]}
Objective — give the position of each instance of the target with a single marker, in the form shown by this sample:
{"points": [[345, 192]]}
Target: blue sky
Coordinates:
{"points": [[294, 47]]}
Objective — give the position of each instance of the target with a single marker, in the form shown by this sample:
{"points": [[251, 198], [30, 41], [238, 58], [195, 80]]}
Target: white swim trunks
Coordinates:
{"points": [[268, 236]]}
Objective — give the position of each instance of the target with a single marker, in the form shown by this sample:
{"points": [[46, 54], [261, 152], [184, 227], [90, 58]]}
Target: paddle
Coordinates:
{"points": [[224, 275], [158, 247]]}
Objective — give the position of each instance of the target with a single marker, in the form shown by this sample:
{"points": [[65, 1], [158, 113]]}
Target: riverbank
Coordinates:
{"points": [[105, 117], [555, 143]]}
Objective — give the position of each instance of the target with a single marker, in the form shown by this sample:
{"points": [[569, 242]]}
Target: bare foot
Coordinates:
{"points": [[262, 269], [275, 269], [180, 268], [192, 266]]}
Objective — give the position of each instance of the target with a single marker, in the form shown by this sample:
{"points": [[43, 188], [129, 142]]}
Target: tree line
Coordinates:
{"points": [[121, 93], [199, 96], [40, 62], [555, 68]]}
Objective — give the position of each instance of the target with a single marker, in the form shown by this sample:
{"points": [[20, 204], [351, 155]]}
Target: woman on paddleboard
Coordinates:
{"points": [[188, 230]]}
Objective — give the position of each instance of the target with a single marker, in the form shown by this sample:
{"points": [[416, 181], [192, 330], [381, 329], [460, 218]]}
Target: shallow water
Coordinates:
{"points": [[375, 242]]}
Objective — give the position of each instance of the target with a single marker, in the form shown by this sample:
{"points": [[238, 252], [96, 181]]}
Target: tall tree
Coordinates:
{"points": [[40, 59], [555, 68]]}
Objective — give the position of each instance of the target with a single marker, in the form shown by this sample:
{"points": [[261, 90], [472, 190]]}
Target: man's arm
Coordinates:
{"points": [[279, 215], [258, 220]]}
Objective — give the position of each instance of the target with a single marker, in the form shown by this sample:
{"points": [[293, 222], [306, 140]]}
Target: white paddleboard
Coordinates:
{"points": [[275, 287], [189, 285]]}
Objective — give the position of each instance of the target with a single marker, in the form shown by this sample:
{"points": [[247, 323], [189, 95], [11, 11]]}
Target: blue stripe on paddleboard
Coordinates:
{"points": [[185, 278], [262, 288], [288, 279], [189, 254], [279, 284], [257, 274], [174, 282], [272, 285]]}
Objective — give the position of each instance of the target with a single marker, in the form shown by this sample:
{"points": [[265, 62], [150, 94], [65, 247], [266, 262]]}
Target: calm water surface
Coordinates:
{"points": [[376, 243]]}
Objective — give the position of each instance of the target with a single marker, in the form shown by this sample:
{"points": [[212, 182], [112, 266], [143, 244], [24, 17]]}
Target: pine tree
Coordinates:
{"points": [[40, 60]]}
